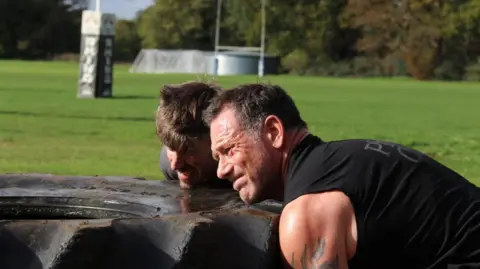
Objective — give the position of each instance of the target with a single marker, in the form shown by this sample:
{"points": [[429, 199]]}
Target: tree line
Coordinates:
{"points": [[424, 39], [36, 29]]}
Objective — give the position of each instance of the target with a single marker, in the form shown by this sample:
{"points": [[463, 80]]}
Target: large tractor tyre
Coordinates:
{"points": [[70, 222]]}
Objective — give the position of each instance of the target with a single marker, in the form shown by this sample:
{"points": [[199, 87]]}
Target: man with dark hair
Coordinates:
{"points": [[347, 204], [186, 154]]}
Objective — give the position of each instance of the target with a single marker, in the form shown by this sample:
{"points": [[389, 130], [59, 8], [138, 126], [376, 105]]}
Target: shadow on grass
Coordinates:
{"points": [[132, 97], [30, 90], [415, 144], [51, 115]]}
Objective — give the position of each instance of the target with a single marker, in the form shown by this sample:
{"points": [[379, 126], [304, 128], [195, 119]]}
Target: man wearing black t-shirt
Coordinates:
{"points": [[347, 204]]}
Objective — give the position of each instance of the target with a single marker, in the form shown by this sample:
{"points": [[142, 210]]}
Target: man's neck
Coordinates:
{"points": [[292, 139]]}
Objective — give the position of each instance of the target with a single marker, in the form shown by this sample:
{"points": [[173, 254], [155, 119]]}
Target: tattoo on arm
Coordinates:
{"points": [[317, 254], [333, 264], [319, 249]]}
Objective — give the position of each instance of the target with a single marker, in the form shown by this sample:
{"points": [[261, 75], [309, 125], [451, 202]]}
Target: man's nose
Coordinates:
{"points": [[224, 169], [176, 162]]}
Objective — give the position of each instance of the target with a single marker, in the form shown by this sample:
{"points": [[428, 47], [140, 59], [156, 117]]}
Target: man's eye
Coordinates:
{"points": [[230, 152]]}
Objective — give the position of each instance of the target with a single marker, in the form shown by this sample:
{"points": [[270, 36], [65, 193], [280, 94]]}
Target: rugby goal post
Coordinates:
{"points": [[195, 61], [260, 50]]}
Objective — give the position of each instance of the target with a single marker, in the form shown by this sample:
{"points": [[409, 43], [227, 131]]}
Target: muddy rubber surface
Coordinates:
{"points": [[56, 222]]}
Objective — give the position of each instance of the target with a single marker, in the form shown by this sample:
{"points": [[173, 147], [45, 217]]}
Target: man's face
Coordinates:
{"points": [[195, 165], [249, 161]]}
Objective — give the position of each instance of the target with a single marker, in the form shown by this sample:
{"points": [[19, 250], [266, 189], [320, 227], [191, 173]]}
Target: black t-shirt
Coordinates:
{"points": [[411, 211]]}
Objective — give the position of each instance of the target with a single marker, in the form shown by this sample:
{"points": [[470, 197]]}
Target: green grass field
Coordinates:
{"points": [[44, 128]]}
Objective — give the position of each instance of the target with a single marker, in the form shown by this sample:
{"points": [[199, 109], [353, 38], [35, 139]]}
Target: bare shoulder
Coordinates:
{"points": [[316, 231]]}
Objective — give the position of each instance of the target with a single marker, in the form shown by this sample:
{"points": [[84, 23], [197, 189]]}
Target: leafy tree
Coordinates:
{"points": [[127, 41], [178, 24], [421, 32], [39, 28]]}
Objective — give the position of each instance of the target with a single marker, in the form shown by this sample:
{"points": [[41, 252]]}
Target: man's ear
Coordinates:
{"points": [[273, 128]]}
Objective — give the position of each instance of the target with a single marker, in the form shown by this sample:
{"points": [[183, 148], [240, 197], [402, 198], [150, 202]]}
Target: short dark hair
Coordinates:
{"points": [[253, 103], [179, 119]]}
